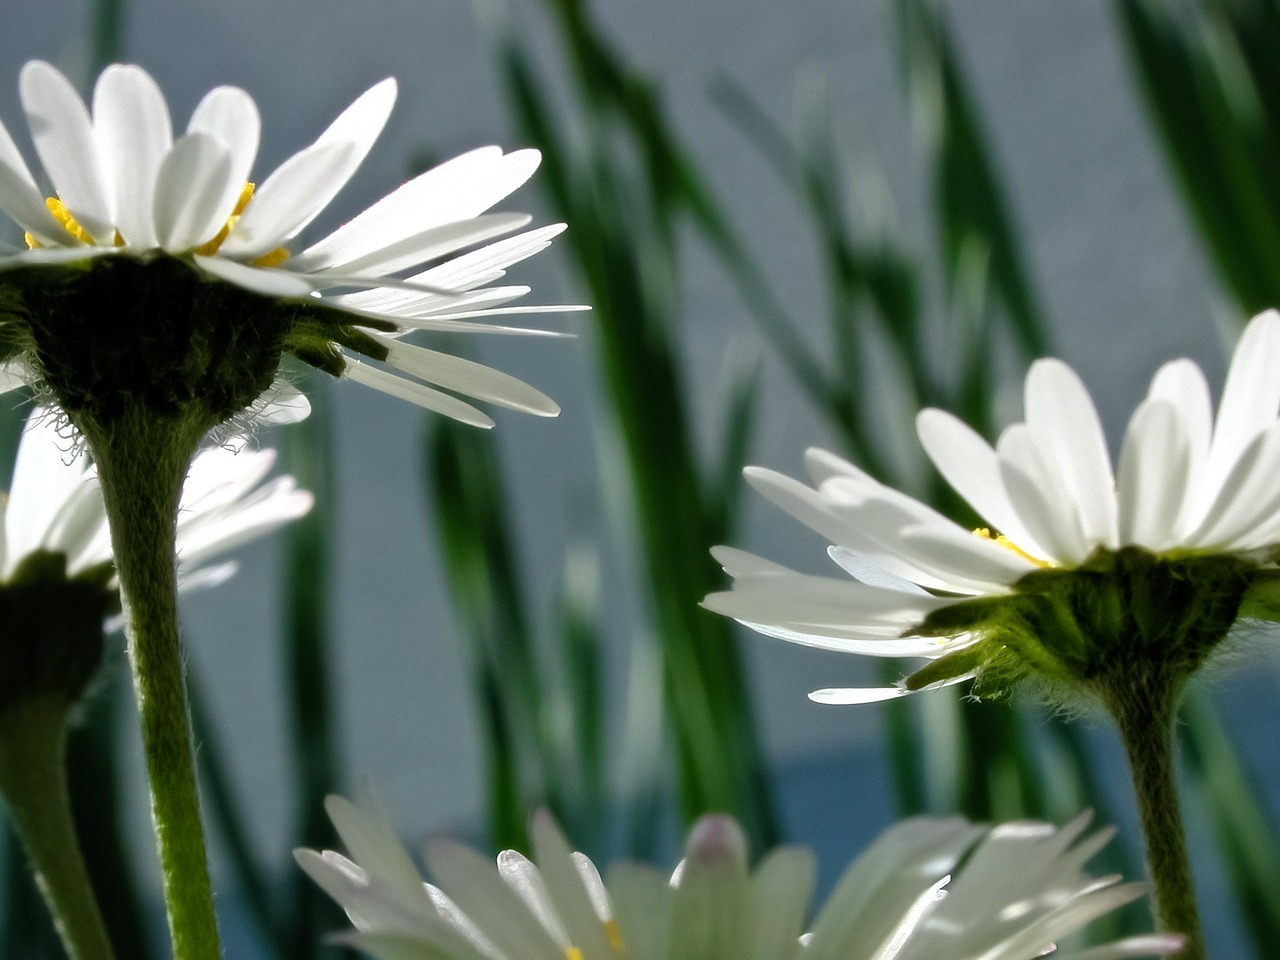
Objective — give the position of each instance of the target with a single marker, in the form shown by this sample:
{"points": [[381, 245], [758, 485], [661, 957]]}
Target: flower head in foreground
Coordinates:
{"points": [[927, 889], [159, 275], [1115, 584], [57, 578]]}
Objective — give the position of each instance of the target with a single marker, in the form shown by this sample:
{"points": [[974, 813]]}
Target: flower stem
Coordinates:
{"points": [[142, 461], [33, 779], [1144, 713]]}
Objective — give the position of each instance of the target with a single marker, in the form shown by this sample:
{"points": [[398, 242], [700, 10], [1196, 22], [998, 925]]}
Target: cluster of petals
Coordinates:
{"points": [[927, 889], [55, 505], [123, 185], [1185, 483]]}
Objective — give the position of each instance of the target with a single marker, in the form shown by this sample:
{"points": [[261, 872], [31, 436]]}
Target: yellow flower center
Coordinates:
{"points": [[572, 953], [60, 213], [1001, 540]]}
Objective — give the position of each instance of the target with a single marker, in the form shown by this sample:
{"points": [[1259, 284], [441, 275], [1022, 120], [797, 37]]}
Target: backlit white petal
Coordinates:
{"points": [[423, 396], [133, 131], [194, 192], [264, 280], [230, 115], [1153, 481], [470, 378], [1060, 411], [1038, 492], [1250, 396], [63, 135]]}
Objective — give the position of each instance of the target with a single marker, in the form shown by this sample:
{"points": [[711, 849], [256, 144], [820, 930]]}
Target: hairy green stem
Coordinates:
{"points": [[1144, 713], [142, 461], [33, 779]]}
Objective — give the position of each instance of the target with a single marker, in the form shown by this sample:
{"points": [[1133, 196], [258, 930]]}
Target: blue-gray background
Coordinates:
{"points": [[1122, 279]]}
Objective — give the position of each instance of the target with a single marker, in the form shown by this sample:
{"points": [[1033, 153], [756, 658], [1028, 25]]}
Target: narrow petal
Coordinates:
{"points": [[230, 115], [47, 474], [971, 466], [1153, 482], [1250, 396], [1061, 412], [781, 887], [194, 192], [565, 886], [415, 393], [845, 696], [63, 135], [289, 198], [1249, 495], [470, 378], [1036, 489], [21, 199], [266, 281], [133, 131], [460, 189]]}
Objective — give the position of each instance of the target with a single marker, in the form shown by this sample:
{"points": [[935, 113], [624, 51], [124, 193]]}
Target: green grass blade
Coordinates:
{"points": [[307, 573], [1248, 837]]}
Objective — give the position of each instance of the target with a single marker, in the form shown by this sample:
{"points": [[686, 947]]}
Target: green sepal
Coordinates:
{"points": [[1262, 598], [949, 667]]}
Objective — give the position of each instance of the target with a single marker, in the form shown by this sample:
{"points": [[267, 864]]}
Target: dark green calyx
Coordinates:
{"points": [[119, 334], [1118, 615], [51, 638]]}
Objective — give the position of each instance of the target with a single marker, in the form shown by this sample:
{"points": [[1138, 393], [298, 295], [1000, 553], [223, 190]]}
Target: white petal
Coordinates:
{"points": [[1153, 480], [289, 198], [282, 404], [194, 192], [63, 135], [1038, 493], [424, 245], [264, 280], [415, 393], [1249, 496], [470, 378], [971, 466], [954, 549], [1250, 396], [46, 475], [230, 115], [842, 696], [131, 124], [1059, 409], [21, 199], [865, 570], [459, 189]]}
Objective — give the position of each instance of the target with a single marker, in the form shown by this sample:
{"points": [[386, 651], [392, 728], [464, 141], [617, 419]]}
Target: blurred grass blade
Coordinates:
{"points": [[465, 488], [307, 454], [623, 236], [1216, 109], [1247, 835], [968, 198], [106, 34]]}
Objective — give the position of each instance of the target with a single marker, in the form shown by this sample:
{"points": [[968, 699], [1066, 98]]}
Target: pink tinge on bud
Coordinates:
{"points": [[716, 838]]}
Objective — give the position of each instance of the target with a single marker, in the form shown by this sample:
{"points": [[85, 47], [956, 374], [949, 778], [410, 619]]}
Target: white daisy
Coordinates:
{"points": [[1092, 574], [927, 889], [55, 506], [181, 215]]}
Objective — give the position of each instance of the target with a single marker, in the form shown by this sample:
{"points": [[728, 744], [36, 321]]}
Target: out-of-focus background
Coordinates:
{"points": [[797, 223]]}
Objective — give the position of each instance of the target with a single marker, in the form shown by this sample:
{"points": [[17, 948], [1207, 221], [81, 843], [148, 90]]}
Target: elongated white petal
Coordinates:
{"points": [[47, 473], [423, 396], [971, 466], [1153, 481], [1249, 495], [230, 115], [460, 189], [290, 197], [133, 131], [21, 199], [1059, 409], [470, 378], [1250, 396], [63, 135], [266, 281], [1039, 494], [194, 192]]}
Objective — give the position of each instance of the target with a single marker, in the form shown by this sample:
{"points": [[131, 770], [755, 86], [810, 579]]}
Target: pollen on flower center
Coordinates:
{"points": [[1003, 541], [614, 934], [572, 953], [69, 223]]}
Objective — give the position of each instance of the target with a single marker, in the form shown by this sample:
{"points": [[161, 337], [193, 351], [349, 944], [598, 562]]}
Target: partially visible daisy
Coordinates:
{"points": [[927, 889], [171, 238], [1081, 572], [1110, 587], [54, 506]]}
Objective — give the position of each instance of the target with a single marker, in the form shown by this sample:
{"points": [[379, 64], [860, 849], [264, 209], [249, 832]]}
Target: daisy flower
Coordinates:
{"points": [[1183, 535], [169, 237], [927, 889], [1111, 586]]}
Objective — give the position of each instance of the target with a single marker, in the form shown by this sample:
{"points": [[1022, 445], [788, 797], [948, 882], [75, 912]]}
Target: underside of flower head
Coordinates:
{"points": [[157, 272], [1085, 576]]}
